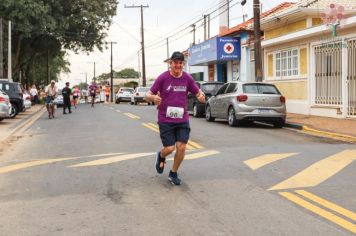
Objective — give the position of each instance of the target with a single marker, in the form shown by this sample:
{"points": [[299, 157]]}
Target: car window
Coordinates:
{"points": [[231, 88], [222, 89], [127, 90], [211, 88], [5, 87], [143, 89], [260, 89]]}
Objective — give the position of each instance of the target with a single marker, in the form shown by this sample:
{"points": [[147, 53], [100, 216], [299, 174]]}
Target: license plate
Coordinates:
{"points": [[264, 110]]}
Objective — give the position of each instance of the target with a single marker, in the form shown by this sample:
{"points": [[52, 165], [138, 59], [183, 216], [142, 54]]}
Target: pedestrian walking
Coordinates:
{"points": [[66, 92], [34, 94], [51, 93], [107, 92], [76, 96], [93, 90], [169, 92]]}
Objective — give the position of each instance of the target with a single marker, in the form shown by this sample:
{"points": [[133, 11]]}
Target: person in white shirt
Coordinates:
{"points": [[51, 92], [34, 94]]}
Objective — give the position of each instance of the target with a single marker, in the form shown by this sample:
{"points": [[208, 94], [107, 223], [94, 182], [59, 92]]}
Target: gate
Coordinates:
{"points": [[351, 78], [328, 74]]}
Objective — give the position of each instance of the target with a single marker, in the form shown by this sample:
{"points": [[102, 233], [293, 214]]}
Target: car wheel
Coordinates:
{"points": [[208, 116], [232, 118], [1, 119], [279, 124], [14, 111], [196, 112]]}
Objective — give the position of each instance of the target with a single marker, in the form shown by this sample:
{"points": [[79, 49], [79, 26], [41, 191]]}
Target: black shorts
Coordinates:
{"points": [[75, 97], [170, 133]]}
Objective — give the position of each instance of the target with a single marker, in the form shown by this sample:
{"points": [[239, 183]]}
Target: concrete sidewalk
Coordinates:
{"points": [[341, 129]]}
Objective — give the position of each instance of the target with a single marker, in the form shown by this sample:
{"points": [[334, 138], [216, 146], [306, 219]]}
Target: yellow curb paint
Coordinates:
{"points": [[111, 160], [132, 116], [337, 136], [319, 171], [266, 159], [319, 211], [24, 165], [328, 204]]}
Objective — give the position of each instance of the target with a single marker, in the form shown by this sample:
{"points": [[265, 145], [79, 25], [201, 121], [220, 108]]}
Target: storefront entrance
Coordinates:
{"points": [[222, 72]]}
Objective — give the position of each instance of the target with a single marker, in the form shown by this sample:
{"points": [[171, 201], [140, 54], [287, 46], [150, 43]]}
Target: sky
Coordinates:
{"points": [[162, 19]]}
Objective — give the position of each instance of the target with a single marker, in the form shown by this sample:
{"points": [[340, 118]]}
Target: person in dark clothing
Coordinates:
{"points": [[66, 92]]}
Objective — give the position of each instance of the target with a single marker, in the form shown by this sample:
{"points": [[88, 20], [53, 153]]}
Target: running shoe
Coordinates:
{"points": [[173, 178], [159, 160]]}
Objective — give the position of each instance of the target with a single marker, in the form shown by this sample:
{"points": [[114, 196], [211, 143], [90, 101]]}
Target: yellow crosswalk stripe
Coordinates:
{"points": [[24, 165], [111, 160], [132, 116], [197, 155], [319, 211], [266, 159], [328, 204], [195, 145], [319, 171], [150, 127]]}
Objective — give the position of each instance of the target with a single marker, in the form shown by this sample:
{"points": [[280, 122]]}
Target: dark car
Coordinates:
{"points": [[209, 89], [14, 91]]}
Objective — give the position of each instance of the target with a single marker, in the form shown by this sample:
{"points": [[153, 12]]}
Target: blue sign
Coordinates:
{"points": [[218, 49]]}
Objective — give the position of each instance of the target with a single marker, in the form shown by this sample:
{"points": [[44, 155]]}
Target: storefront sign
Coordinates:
{"points": [[218, 49]]}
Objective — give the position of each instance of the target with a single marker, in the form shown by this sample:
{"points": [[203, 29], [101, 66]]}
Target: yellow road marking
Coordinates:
{"points": [[347, 138], [328, 204], [197, 155], [150, 127], [132, 116], [111, 160], [20, 166], [319, 171], [190, 145], [263, 160], [319, 211]]}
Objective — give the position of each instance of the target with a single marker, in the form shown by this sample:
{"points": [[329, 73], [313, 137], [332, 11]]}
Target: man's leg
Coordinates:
{"points": [[179, 156]]}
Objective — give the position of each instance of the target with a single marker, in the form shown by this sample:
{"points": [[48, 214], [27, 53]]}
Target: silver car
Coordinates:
{"points": [[5, 105], [139, 95], [245, 102]]}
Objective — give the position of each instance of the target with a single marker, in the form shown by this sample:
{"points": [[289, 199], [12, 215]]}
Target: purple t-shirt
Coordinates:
{"points": [[174, 93]]}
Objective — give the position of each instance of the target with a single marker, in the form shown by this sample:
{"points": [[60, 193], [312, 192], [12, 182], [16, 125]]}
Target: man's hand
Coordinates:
{"points": [[157, 99], [201, 97]]}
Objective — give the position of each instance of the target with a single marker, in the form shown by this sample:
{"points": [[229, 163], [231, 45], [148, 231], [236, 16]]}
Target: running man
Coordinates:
{"points": [[51, 93], [92, 91], [169, 92]]}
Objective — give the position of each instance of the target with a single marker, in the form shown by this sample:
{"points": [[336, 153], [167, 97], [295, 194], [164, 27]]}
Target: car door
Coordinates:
{"points": [[226, 99], [216, 109], [192, 99]]}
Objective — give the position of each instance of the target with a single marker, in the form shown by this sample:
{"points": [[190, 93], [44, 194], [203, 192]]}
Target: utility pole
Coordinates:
{"points": [[204, 27], [142, 44], [193, 25], [167, 52], [1, 51], [258, 50], [9, 67], [111, 75], [94, 73], [208, 26]]}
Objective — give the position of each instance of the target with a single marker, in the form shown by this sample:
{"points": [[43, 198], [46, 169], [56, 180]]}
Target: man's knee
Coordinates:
{"points": [[169, 149], [181, 146]]}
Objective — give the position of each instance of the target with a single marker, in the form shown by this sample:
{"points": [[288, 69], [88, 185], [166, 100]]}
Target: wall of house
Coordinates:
{"points": [[286, 29]]}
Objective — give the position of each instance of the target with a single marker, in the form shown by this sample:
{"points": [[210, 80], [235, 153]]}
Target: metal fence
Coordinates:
{"points": [[328, 71], [351, 78]]}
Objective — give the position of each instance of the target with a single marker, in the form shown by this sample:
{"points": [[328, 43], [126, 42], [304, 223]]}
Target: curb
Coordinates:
{"points": [[320, 133]]}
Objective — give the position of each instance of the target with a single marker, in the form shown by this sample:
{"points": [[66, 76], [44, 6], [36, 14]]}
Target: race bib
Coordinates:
{"points": [[175, 112]]}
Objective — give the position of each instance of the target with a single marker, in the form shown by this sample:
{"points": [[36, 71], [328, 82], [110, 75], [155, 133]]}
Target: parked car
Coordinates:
{"points": [[13, 90], [27, 100], [5, 105], [139, 95], [58, 100], [209, 89], [124, 94], [240, 102]]}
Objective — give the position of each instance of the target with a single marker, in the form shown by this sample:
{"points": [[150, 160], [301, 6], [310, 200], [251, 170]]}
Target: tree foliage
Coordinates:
{"points": [[46, 28], [127, 73]]}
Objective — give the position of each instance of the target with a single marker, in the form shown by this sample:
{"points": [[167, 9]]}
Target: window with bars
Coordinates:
{"points": [[287, 63]]}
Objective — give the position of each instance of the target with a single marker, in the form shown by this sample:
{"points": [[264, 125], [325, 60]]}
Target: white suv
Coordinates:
{"points": [[139, 95], [124, 94]]}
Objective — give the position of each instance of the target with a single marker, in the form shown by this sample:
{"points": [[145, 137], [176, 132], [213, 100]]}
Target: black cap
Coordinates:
{"points": [[177, 56]]}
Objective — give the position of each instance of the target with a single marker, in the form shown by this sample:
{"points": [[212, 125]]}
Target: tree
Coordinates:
{"points": [[52, 26], [126, 73]]}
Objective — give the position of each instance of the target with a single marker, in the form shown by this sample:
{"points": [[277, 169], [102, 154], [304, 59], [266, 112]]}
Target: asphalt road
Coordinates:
{"points": [[92, 173]]}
